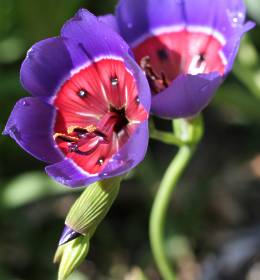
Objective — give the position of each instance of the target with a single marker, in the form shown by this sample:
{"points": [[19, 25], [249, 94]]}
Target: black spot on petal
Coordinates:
{"points": [[114, 81], [82, 93], [101, 161], [162, 54]]}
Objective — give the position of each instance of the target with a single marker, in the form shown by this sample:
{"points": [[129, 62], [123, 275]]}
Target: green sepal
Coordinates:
{"points": [[92, 206], [71, 255]]}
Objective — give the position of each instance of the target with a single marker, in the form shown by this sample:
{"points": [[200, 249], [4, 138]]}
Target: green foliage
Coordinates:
{"points": [[29, 187]]}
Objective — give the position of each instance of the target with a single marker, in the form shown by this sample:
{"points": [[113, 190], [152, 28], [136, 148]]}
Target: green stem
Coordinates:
{"points": [[160, 206], [166, 137], [163, 136]]}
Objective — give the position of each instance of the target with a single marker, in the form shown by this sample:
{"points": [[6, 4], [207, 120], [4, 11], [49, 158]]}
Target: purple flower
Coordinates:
{"points": [[88, 115], [185, 47]]}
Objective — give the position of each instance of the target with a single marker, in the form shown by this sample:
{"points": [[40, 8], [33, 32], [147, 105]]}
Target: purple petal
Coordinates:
{"points": [[87, 39], [110, 21], [138, 18], [66, 172], [231, 48], [67, 235], [143, 87], [186, 96], [45, 67], [131, 154], [30, 125]]}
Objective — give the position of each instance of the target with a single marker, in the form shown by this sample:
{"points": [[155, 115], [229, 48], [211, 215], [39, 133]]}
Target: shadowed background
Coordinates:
{"points": [[213, 225]]}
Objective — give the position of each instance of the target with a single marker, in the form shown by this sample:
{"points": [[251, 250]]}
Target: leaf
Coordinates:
{"points": [[28, 188]]}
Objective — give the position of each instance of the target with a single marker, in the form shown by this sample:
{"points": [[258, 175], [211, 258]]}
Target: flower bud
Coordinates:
{"points": [[71, 255], [92, 206]]}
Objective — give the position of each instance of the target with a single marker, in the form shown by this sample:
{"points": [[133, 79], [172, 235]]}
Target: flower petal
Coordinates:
{"points": [[66, 172], [139, 18], [30, 125], [110, 21], [141, 81], [88, 39], [45, 67], [231, 48], [186, 96], [67, 235], [131, 154]]}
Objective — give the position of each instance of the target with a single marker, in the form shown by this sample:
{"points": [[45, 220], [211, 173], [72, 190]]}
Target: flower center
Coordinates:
{"points": [[98, 110], [166, 55]]}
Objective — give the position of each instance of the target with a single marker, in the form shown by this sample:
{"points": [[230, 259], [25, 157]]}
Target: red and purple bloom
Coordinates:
{"points": [[185, 47], [88, 114]]}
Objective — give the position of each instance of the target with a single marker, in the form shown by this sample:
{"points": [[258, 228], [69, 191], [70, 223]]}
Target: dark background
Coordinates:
{"points": [[213, 225]]}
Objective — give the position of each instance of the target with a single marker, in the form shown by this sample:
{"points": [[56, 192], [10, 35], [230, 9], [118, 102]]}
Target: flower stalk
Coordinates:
{"points": [[185, 130]]}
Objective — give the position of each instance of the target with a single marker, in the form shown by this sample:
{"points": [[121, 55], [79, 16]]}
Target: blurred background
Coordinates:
{"points": [[213, 225]]}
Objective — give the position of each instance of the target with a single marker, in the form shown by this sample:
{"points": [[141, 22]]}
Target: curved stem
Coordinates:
{"points": [[160, 206]]}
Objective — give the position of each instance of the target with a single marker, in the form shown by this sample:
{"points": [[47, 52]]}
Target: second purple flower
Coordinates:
{"points": [[185, 47]]}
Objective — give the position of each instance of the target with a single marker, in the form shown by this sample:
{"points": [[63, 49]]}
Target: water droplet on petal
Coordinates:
{"points": [[30, 53], [101, 161], [204, 88], [236, 18], [25, 103], [129, 24], [14, 130]]}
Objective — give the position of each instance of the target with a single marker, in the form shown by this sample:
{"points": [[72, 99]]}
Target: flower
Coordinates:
{"points": [[185, 47], [88, 115]]}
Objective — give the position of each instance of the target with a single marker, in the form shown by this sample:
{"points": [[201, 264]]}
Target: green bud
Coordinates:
{"points": [[71, 255], [84, 216], [92, 206]]}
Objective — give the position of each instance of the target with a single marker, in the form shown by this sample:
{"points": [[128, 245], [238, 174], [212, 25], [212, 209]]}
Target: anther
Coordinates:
{"points": [[73, 147], [137, 100]]}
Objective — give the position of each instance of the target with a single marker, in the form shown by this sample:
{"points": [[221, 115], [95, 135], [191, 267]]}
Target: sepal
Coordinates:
{"points": [[92, 206]]}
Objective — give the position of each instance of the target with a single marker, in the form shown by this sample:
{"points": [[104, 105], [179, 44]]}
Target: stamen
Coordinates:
{"points": [[156, 82], [73, 147], [64, 137], [114, 81]]}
